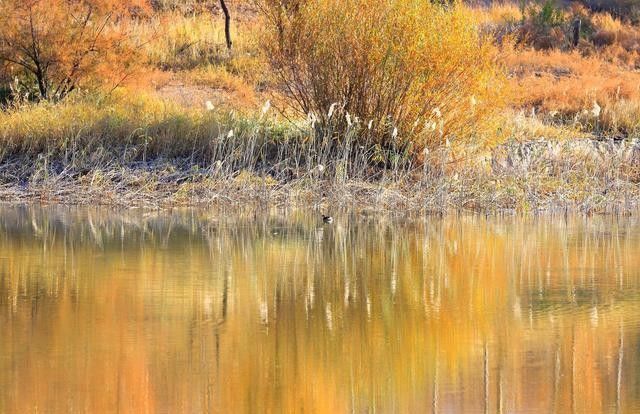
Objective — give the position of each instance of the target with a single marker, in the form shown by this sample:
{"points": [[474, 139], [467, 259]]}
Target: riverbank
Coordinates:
{"points": [[533, 176], [200, 125]]}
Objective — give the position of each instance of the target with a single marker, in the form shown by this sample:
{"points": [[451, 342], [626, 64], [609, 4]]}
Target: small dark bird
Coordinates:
{"points": [[327, 219]]}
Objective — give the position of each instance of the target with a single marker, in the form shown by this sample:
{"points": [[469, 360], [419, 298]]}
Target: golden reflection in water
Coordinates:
{"points": [[192, 312]]}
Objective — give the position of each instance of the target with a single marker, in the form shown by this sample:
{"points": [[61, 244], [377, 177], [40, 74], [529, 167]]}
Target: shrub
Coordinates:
{"points": [[546, 16], [628, 9], [543, 26], [58, 45], [408, 71], [604, 38]]}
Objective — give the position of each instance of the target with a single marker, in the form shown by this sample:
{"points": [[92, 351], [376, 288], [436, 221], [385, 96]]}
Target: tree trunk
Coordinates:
{"points": [[576, 32], [227, 24]]}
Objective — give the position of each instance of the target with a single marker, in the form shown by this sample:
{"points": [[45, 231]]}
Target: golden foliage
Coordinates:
{"points": [[418, 71], [466, 312]]}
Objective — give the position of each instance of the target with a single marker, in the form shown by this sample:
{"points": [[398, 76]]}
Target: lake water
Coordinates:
{"points": [[195, 311]]}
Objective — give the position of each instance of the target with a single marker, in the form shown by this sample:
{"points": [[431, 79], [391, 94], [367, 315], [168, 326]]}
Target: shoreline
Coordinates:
{"points": [[586, 176]]}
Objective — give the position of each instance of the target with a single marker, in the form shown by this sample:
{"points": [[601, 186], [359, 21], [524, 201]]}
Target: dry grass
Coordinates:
{"points": [[154, 143], [187, 51], [594, 88], [147, 153], [571, 87]]}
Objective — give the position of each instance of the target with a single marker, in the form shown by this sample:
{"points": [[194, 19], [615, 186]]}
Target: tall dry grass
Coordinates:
{"points": [[84, 132], [592, 88], [141, 151]]}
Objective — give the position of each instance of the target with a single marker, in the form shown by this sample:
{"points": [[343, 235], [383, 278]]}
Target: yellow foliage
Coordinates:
{"points": [[419, 71]]}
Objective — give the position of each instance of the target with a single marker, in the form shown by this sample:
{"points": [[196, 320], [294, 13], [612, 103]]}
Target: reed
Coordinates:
{"points": [[145, 152]]}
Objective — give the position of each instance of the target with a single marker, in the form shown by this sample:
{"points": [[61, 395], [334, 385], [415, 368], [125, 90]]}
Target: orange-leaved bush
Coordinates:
{"points": [[60, 45], [410, 71]]}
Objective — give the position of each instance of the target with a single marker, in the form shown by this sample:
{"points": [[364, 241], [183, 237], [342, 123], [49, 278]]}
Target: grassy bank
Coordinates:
{"points": [[146, 152], [538, 124]]}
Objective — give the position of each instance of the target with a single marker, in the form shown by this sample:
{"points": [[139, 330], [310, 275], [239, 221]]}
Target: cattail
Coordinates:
{"points": [[395, 133]]}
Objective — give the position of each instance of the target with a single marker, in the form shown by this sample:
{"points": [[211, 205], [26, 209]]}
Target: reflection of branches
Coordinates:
{"points": [[619, 370], [412, 297]]}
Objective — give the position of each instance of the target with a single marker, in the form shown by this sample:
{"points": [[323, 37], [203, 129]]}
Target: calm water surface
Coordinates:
{"points": [[194, 312]]}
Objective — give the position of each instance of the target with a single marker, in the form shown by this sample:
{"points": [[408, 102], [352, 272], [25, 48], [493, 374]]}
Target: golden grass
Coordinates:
{"points": [[593, 88], [144, 151], [561, 85], [497, 13]]}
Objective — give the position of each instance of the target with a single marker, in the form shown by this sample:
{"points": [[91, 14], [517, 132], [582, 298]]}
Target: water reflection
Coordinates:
{"points": [[193, 311]]}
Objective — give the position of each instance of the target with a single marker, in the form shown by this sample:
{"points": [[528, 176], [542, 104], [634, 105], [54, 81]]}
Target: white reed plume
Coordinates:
{"points": [[311, 118], [209, 106], [331, 109], [266, 107], [596, 109], [430, 125]]}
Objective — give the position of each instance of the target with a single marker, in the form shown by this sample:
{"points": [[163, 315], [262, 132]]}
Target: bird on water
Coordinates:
{"points": [[327, 219]]}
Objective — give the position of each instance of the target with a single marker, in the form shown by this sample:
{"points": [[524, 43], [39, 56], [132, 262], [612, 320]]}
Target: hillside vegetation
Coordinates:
{"points": [[375, 103]]}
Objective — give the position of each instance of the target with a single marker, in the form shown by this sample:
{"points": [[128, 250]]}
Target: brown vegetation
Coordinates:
{"points": [[368, 107], [54, 47]]}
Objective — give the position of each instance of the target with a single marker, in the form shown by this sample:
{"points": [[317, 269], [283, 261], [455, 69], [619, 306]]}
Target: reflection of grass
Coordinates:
{"points": [[369, 308]]}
